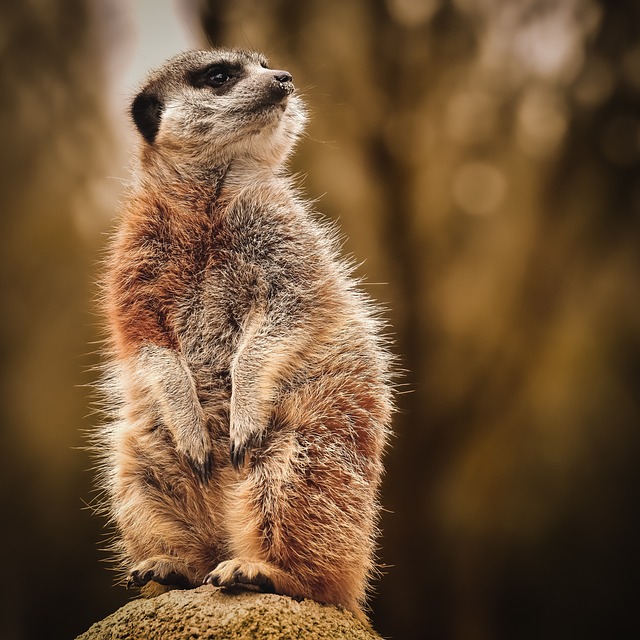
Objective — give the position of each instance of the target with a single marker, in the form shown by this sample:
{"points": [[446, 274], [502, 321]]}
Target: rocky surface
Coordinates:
{"points": [[208, 613]]}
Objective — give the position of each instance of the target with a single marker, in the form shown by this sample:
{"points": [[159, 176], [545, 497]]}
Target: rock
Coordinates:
{"points": [[209, 613]]}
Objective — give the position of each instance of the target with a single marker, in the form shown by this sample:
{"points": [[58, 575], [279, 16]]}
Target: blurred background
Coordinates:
{"points": [[483, 159]]}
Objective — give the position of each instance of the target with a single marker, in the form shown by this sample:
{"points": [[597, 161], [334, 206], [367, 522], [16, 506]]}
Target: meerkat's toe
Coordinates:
{"points": [[241, 573], [164, 571], [138, 578]]}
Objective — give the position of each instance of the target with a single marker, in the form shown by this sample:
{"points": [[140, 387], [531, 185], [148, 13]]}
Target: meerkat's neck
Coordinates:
{"points": [[196, 183], [247, 172]]}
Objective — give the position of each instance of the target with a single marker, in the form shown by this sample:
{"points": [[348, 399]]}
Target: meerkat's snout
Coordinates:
{"points": [[279, 86], [282, 84], [283, 77]]}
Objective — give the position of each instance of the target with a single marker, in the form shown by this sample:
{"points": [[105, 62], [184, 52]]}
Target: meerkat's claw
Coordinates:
{"points": [[139, 579], [203, 470], [237, 453], [240, 449]]}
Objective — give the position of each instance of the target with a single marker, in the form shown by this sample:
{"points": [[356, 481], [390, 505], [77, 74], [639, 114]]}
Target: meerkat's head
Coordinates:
{"points": [[207, 108]]}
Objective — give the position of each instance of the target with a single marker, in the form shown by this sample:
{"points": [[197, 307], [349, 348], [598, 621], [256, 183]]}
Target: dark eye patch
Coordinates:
{"points": [[216, 75]]}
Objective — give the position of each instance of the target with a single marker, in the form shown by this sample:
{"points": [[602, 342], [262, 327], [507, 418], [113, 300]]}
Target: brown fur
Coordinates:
{"points": [[248, 382]]}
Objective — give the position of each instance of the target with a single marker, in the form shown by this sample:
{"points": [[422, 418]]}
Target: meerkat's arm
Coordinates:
{"points": [[260, 362], [167, 377]]}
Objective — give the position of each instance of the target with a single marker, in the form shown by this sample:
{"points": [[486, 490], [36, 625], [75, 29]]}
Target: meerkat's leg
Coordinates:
{"points": [[171, 531], [166, 375], [301, 517], [301, 523], [146, 508], [164, 462], [260, 362]]}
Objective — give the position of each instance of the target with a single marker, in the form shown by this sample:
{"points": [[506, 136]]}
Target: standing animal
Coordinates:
{"points": [[247, 378]]}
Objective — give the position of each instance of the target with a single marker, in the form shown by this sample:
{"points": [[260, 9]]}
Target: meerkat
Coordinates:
{"points": [[247, 375]]}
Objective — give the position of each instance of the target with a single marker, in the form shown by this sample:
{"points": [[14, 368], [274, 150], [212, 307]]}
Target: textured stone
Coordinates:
{"points": [[208, 613]]}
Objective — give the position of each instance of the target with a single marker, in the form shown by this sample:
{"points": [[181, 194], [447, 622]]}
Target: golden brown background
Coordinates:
{"points": [[483, 159]]}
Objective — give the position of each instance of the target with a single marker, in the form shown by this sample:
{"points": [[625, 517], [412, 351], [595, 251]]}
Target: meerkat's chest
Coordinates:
{"points": [[206, 290], [189, 283]]}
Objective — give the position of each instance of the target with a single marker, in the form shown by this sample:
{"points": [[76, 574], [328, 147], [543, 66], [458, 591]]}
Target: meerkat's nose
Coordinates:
{"points": [[283, 76], [280, 86]]}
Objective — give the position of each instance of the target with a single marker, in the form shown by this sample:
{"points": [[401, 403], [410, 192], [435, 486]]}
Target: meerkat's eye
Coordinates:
{"points": [[216, 76]]}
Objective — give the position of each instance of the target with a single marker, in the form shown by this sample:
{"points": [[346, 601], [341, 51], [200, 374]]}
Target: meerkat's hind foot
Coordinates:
{"points": [[163, 570], [238, 573]]}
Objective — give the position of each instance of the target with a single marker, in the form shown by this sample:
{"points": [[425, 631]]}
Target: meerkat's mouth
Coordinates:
{"points": [[269, 107], [275, 95]]}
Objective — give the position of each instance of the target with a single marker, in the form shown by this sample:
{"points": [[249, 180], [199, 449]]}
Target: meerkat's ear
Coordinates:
{"points": [[146, 111]]}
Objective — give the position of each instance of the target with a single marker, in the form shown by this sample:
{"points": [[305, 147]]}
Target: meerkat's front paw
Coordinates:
{"points": [[238, 572], [245, 434], [164, 570]]}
